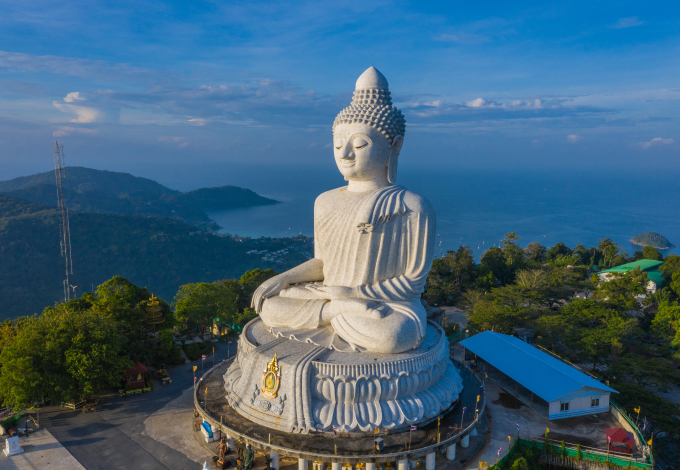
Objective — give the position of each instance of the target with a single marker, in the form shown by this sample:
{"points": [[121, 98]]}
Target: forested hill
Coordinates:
{"points": [[155, 252], [88, 190]]}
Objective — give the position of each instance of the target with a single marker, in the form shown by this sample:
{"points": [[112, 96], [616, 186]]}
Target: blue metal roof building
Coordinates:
{"points": [[568, 391]]}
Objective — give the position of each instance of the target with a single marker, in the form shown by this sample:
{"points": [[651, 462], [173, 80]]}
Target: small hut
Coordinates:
{"points": [[136, 377]]}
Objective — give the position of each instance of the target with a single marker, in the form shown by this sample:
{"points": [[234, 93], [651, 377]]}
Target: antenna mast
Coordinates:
{"points": [[65, 228]]}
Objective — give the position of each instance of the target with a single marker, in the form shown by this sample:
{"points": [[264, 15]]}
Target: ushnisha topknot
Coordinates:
{"points": [[372, 105]]}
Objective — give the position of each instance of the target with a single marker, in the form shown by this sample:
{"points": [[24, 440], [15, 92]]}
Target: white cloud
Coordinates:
{"points": [[655, 142], [73, 96], [482, 103], [83, 113], [573, 138], [628, 22], [476, 103]]}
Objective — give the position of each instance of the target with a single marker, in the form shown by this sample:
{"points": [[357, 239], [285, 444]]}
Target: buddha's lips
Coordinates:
{"points": [[348, 162]]}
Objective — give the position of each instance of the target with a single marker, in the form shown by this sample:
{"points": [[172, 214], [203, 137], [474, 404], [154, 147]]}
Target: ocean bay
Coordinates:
{"points": [[477, 208]]}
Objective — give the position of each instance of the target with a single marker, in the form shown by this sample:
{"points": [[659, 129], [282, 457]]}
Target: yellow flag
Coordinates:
{"points": [[649, 442], [477, 398], [509, 439], [637, 410], [547, 430], [195, 367], [206, 390], [377, 430], [439, 421]]}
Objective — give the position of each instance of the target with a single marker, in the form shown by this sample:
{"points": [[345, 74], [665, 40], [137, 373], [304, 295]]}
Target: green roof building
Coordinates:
{"points": [[650, 266]]}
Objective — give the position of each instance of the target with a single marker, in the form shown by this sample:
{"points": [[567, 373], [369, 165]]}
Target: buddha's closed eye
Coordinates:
{"points": [[360, 143]]}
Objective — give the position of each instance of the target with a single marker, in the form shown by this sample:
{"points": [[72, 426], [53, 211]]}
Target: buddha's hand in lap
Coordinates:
{"points": [[268, 288]]}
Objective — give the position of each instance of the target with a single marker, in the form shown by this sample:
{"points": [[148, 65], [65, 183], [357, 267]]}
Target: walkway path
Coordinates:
{"points": [[117, 436], [41, 451]]}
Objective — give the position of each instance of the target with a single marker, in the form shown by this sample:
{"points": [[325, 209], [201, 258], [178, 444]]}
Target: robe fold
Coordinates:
{"points": [[381, 243]]}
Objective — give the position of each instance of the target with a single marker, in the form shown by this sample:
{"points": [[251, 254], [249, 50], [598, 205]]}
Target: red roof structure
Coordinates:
{"points": [[620, 440], [138, 368], [136, 376]]}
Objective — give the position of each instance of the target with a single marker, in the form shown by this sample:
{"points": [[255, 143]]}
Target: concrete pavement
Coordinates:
{"points": [[41, 451], [116, 437]]}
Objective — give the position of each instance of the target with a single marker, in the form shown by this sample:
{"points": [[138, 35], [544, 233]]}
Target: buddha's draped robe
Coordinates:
{"points": [[380, 242]]}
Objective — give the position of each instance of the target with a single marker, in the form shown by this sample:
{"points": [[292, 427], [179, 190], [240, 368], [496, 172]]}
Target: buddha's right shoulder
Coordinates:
{"points": [[325, 198]]}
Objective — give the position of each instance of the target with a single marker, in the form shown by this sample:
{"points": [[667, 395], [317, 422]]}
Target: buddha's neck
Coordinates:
{"points": [[370, 185]]}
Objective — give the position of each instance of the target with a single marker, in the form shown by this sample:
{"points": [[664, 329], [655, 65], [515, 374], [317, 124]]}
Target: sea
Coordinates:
{"points": [[477, 207]]}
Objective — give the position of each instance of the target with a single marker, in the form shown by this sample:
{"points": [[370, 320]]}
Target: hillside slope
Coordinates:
{"points": [[88, 190], [85, 180], [155, 252]]}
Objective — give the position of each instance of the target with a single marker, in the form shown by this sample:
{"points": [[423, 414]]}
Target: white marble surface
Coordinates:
{"points": [[374, 240]]}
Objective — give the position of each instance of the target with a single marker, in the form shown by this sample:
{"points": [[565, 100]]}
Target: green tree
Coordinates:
{"points": [[450, 275], [489, 315], [649, 252], [666, 323], [671, 273], [198, 304], [514, 254], [596, 330], [655, 372], [559, 250], [493, 260], [535, 252], [553, 328], [126, 305], [63, 355], [621, 288]]}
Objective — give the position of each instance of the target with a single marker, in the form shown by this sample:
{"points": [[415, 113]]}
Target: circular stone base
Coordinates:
{"points": [[318, 389]]}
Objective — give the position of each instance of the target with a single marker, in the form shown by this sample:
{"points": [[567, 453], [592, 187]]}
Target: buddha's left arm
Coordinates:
{"points": [[409, 285]]}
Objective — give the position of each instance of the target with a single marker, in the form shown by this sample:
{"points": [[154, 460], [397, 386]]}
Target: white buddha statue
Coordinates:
{"points": [[373, 239]]}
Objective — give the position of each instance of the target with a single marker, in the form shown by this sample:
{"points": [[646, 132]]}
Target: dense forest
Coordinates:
{"points": [[88, 190], [158, 253]]}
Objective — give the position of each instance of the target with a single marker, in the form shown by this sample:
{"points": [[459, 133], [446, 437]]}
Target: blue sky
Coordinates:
{"points": [[154, 87]]}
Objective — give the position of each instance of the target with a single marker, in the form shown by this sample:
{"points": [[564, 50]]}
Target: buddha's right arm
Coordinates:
{"points": [[309, 271]]}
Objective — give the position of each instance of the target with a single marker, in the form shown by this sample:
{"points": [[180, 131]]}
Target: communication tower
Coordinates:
{"points": [[64, 228]]}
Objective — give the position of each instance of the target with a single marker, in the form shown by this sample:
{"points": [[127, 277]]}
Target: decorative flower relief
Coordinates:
{"points": [[365, 227]]}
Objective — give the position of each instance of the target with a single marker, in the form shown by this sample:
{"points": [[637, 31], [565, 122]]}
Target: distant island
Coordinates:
{"points": [[652, 239], [110, 192]]}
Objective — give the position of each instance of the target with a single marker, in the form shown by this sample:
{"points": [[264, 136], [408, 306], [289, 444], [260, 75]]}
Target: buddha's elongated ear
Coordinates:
{"points": [[394, 159]]}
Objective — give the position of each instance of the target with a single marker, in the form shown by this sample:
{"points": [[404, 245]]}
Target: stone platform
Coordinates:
{"points": [[357, 447], [317, 388]]}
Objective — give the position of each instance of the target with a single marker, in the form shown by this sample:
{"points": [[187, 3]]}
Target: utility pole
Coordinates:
{"points": [[65, 228]]}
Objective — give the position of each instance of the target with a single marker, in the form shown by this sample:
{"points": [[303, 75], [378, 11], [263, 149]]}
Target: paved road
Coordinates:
{"points": [[112, 437]]}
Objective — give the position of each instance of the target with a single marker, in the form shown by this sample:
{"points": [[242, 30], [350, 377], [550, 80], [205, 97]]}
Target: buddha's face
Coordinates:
{"points": [[362, 153]]}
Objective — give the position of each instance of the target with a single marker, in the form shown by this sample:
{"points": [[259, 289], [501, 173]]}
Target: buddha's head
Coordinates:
{"points": [[368, 135]]}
